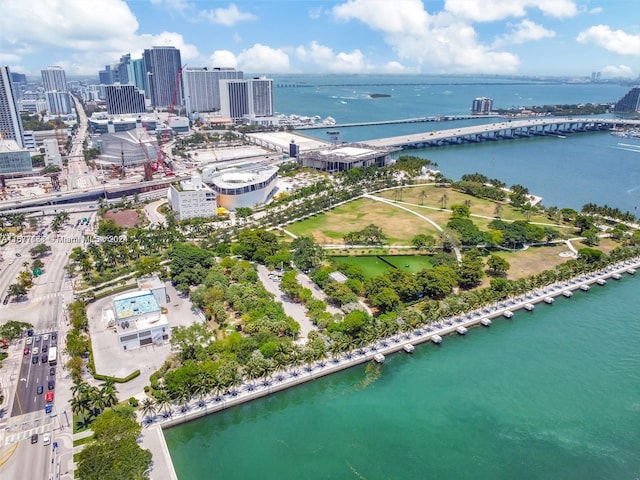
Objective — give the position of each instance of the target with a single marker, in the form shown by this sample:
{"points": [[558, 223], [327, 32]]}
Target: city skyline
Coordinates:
{"points": [[348, 36]]}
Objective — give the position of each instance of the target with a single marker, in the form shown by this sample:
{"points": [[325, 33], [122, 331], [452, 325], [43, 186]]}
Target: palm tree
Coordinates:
{"points": [[108, 393], [163, 403], [79, 407], [148, 408]]}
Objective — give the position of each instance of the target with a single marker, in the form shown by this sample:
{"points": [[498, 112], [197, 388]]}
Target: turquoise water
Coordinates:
{"points": [[550, 394]]}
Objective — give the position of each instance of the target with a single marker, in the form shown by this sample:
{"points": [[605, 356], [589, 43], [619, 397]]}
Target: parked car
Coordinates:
{"points": [[37, 339], [45, 347], [34, 359], [51, 385], [40, 389], [44, 358], [26, 350], [47, 408], [34, 438], [48, 397], [52, 371], [45, 337], [36, 350], [46, 439], [29, 340], [30, 332]]}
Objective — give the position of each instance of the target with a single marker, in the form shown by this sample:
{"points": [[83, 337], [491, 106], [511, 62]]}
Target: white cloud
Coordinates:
{"points": [[595, 10], [523, 32], [177, 5], [95, 32], [616, 41], [223, 59], [344, 62], [493, 10], [618, 71], [227, 16], [263, 59], [442, 41]]}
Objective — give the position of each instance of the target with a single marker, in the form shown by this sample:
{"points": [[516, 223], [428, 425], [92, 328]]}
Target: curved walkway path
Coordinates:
{"points": [[426, 219]]}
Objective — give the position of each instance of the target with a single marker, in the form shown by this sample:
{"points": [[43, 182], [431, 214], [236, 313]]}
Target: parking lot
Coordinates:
{"points": [[111, 360]]}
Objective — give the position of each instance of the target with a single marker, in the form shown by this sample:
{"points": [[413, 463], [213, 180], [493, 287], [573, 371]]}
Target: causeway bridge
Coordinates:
{"points": [[506, 130]]}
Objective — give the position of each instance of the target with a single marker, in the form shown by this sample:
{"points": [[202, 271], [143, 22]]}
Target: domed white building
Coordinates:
{"points": [[246, 186]]}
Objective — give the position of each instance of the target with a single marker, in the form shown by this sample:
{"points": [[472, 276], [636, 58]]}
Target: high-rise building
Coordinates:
{"points": [[139, 74], [58, 103], [234, 98], [202, 87], [54, 79], [10, 122], [105, 77], [630, 103], [124, 99], [163, 70], [261, 97], [241, 98], [482, 106]]}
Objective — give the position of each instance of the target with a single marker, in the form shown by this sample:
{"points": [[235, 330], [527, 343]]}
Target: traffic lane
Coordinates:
{"points": [[29, 461], [32, 375]]}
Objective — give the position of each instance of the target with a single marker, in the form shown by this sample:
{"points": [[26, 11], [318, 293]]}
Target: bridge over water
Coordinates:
{"points": [[511, 129]]}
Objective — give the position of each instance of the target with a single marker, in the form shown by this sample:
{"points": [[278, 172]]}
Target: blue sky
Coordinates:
{"points": [[522, 37]]}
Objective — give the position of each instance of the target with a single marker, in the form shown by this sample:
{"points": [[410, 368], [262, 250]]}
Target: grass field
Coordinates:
{"points": [[398, 225], [431, 196], [373, 265]]}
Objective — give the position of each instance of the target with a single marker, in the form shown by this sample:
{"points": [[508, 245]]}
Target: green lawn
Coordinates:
{"points": [[398, 225], [373, 265]]}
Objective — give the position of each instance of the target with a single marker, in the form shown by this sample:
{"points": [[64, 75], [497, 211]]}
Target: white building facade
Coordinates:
{"points": [[243, 187], [52, 153], [192, 198], [138, 320]]}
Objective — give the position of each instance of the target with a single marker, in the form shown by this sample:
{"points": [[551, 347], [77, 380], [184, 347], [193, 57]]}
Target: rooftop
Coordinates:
{"points": [[135, 303], [246, 175]]}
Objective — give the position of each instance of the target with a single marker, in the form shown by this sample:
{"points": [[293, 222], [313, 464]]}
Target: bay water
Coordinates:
{"points": [[554, 393]]}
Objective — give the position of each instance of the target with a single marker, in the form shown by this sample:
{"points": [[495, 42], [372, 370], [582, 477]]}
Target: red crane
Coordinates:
{"points": [[154, 165]]}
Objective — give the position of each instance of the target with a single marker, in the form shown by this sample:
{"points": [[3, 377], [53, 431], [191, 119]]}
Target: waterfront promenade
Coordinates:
{"points": [[296, 376]]}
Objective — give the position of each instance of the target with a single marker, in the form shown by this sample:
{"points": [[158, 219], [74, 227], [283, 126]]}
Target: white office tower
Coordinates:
{"points": [[164, 84], [202, 88], [10, 122], [246, 98], [54, 79]]}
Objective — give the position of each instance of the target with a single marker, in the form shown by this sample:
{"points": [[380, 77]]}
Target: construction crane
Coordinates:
{"points": [[153, 165]]}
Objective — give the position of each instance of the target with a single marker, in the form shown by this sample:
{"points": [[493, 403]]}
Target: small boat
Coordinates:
{"points": [[616, 276], [436, 339], [567, 293], [409, 348], [584, 287], [379, 358], [485, 322], [507, 314], [461, 330], [601, 281], [529, 307], [548, 300], [631, 271]]}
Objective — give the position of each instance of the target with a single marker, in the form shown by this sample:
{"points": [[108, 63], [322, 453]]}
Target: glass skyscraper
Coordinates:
{"points": [[163, 67]]}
